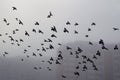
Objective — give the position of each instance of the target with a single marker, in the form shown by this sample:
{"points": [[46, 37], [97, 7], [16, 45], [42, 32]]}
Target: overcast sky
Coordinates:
{"points": [[105, 13]]}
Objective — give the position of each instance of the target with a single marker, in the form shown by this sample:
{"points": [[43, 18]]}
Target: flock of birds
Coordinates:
{"points": [[44, 49]]}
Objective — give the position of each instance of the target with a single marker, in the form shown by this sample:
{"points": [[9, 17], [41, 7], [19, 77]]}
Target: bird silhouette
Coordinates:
{"points": [[115, 29], [14, 8], [50, 15], [65, 30]]}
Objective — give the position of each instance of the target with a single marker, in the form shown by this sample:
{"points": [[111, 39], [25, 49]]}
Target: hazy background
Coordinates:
{"points": [[105, 13]]}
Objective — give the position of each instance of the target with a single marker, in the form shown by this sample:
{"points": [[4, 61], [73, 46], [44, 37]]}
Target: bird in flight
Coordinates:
{"points": [[14, 8], [50, 15]]}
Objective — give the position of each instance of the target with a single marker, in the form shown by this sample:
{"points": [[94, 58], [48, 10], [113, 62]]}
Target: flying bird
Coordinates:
{"points": [[14, 8]]}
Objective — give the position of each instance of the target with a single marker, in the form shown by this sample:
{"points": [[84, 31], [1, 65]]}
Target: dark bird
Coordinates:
{"points": [[94, 57], [34, 30], [36, 23], [65, 30], [50, 14], [77, 73], [84, 57], [63, 76], [116, 47], [20, 22], [11, 38], [101, 42], [89, 29], [68, 23], [79, 50], [98, 53], [115, 29], [21, 40], [53, 35], [4, 19], [103, 47], [76, 32], [51, 46], [16, 19], [57, 62], [43, 49], [68, 48], [6, 52], [77, 67], [35, 68], [40, 55], [26, 33], [60, 57], [8, 24], [76, 24], [85, 68], [39, 31], [14, 8], [54, 29], [34, 54], [51, 59], [49, 40], [93, 24], [90, 43], [86, 35]]}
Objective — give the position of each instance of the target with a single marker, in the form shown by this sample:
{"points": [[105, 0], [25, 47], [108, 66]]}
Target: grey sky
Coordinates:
{"points": [[105, 13]]}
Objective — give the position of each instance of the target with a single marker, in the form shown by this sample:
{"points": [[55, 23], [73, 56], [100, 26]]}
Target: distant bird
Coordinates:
{"points": [[7, 24], [26, 33], [90, 43], [103, 47], [115, 29], [86, 35], [98, 53], [50, 15], [54, 29], [63, 76], [93, 24], [68, 23], [51, 46], [68, 48], [77, 73], [65, 30], [94, 57], [35, 68], [76, 32], [101, 42], [4, 19], [89, 29], [116, 47], [34, 54], [53, 35], [39, 31], [76, 24], [34, 30], [20, 22], [36, 23], [14, 8], [79, 50]]}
